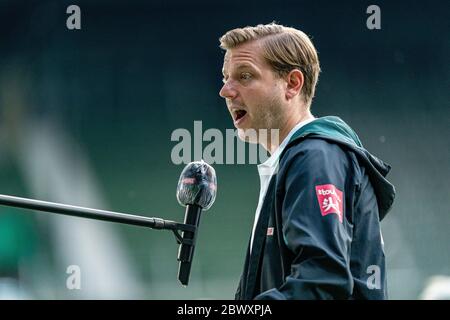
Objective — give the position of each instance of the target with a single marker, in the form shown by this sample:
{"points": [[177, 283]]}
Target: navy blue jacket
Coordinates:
{"points": [[318, 234]]}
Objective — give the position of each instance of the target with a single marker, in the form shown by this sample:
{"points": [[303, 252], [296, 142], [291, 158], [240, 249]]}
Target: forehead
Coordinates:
{"points": [[244, 54]]}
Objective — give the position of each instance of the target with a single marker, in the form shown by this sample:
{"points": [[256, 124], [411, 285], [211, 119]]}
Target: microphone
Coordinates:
{"points": [[196, 190]]}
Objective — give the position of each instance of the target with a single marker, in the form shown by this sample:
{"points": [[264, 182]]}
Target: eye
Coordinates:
{"points": [[246, 76]]}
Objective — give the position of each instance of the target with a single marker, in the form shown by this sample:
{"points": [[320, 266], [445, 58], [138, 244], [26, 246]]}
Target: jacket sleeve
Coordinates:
{"points": [[315, 229]]}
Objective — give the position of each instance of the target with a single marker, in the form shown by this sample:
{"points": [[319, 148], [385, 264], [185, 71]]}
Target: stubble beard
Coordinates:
{"points": [[269, 118]]}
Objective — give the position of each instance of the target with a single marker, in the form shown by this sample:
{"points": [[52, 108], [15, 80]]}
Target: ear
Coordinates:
{"points": [[294, 81]]}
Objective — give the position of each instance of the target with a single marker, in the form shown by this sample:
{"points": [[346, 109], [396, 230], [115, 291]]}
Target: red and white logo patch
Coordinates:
{"points": [[330, 200], [270, 231]]}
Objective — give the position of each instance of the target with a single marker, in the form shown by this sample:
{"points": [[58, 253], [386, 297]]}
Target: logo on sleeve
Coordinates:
{"points": [[330, 200]]}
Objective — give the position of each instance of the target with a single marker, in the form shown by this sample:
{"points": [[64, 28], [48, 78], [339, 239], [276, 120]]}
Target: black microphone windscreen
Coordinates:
{"points": [[197, 185]]}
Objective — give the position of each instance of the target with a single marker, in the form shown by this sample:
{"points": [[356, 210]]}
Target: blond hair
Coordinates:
{"points": [[284, 49]]}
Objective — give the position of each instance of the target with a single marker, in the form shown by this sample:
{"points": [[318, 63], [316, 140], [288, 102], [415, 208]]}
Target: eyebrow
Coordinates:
{"points": [[244, 65], [240, 66]]}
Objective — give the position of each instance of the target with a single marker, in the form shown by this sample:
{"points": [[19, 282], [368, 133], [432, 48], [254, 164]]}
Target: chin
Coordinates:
{"points": [[248, 135]]}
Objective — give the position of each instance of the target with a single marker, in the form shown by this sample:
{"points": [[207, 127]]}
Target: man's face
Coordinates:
{"points": [[253, 92]]}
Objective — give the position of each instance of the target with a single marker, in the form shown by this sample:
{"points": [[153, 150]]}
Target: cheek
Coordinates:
{"points": [[257, 97], [264, 97], [278, 91]]}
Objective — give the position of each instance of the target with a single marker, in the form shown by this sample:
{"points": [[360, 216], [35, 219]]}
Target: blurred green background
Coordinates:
{"points": [[86, 118]]}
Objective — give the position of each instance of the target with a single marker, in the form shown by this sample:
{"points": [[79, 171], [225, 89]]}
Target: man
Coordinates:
{"points": [[317, 225]]}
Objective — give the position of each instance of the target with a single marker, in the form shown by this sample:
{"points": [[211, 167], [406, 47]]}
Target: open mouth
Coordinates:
{"points": [[239, 114]]}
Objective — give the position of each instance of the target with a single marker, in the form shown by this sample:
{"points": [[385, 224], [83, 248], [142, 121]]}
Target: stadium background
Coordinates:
{"points": [[86, 118]]}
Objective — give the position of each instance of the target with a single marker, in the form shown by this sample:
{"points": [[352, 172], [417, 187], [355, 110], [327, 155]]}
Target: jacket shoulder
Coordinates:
{"points": [[313, 150]]}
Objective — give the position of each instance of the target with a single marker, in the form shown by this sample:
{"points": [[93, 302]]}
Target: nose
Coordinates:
{"points": [[228, 91]]}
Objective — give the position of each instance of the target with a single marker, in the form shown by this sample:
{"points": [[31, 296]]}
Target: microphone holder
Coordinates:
{"points": [[82, 212]]}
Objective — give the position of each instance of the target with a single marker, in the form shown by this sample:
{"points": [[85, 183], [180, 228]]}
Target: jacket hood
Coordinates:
{"points": [[334, 129]]}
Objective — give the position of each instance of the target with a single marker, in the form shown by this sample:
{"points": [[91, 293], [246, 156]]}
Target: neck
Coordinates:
{"points": [[286, 127]]}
